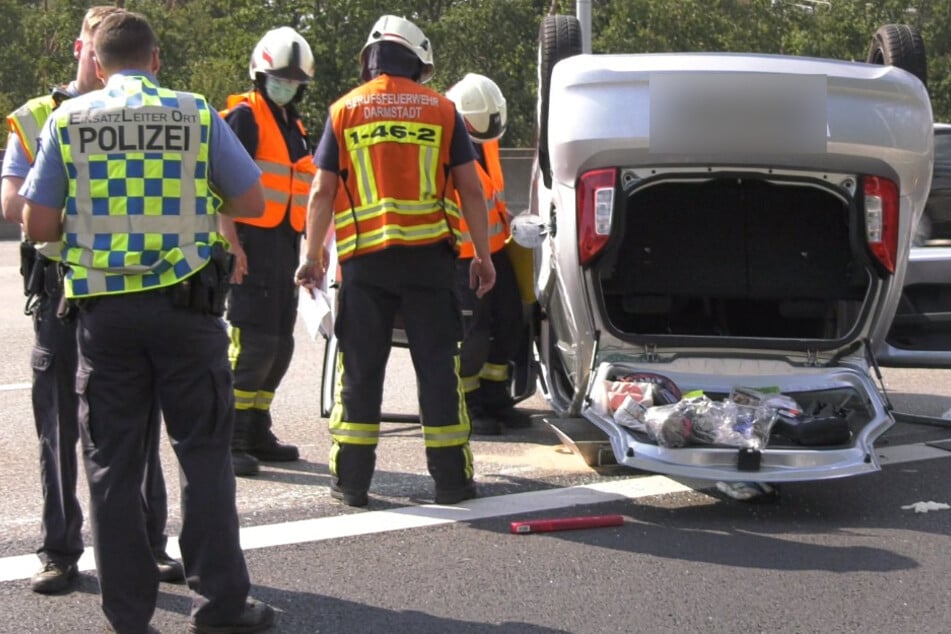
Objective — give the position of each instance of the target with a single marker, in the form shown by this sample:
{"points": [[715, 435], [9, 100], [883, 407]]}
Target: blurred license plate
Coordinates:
{"points": [[716, 112]]}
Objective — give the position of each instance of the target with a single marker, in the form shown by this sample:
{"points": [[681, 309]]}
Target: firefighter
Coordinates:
{"points": [[390, 157], [55, 405], [147, 275], [263, 303], [493, 323]]}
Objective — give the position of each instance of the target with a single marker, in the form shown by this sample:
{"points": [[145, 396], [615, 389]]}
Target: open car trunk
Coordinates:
{"points": [[737, 282], [736, 256], [743, 228], [704, 434]]}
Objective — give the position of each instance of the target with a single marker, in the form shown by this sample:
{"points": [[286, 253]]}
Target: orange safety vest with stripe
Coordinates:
{"points": [[493, 185], [393, 138], [285, 182]]}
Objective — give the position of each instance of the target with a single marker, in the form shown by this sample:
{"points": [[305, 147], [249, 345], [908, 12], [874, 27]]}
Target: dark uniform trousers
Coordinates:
{"points": [[416, 283], [262, 311], [133, 349], [55, 413], [493, 324]]}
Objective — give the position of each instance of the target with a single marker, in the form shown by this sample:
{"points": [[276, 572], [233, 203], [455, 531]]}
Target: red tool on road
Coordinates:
{"points": [[566, 523]]}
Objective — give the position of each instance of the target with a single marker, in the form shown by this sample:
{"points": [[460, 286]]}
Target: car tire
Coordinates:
{"points": [[900, 45], [559, 37]]}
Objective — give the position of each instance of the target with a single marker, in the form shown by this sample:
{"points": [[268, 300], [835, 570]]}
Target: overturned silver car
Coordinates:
{"points": [[714, 232]]}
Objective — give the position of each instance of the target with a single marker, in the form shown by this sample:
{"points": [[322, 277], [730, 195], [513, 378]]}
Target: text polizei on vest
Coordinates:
{"points": [[138, 130]]}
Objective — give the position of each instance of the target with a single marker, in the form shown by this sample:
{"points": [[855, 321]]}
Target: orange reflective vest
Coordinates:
{"points": [[493, 185], [285, 183], [393, 137]]}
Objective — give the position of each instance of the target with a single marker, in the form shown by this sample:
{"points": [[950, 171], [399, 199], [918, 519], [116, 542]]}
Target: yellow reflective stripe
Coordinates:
{"points": [[494, 372], [354, 433], [91, 224], [428, 164], [366, 179], [470, 383], [243, 400], [395, 233], [453, 435], [304, 177], [332, 461], [234, 346], [405, 207], [344, 432], [272, 195], [467, 454], [429, 232], [280, 171], [263, 400], [273, 167], [299, 200], [446, 435]]}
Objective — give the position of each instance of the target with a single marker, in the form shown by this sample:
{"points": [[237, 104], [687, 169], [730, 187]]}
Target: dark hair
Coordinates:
{"points": [[124, 40]]}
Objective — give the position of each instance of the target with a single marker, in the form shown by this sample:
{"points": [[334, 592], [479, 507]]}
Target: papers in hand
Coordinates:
{"points": [[316, 312]]}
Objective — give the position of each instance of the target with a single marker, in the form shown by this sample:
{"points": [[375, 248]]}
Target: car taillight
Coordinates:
{"points": [[881, 220], [595, 207]]}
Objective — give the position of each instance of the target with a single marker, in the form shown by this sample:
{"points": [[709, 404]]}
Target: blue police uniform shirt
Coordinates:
{"points": [[15, 161], [327, 157], [232, 171]]}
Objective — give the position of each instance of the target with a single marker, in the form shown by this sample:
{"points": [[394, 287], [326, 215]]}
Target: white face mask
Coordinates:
{"points": [[280, 91]]}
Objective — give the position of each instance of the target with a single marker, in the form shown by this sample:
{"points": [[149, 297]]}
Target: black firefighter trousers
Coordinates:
{"points": [[417, 284]]}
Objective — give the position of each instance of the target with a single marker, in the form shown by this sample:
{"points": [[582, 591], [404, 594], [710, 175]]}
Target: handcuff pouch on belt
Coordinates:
{"points": [[207, 290]]}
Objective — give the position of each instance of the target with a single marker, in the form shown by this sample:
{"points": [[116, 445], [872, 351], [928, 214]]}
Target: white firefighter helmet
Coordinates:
{"points": [[480, 102], [283, 53], [391, 28]]}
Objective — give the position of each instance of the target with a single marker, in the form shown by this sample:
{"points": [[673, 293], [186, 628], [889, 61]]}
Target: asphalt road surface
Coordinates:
{"points": [[849, 555]]}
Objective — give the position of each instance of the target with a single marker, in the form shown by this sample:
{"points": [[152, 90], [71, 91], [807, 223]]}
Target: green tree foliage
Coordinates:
{"points": [[498, 39], [206, 44]]}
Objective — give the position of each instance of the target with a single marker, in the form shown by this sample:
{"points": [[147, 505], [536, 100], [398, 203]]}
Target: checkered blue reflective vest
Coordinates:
{"points": [[140, 213]]}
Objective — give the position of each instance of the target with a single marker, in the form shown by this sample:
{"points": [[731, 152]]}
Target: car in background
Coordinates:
{"points": [[920, 333]]}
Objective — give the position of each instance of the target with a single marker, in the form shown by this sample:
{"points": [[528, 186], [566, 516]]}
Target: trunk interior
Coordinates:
{"points": [[735, 257]]}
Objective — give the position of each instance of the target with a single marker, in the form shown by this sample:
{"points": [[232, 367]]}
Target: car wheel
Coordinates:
{"points": [[900, 45], [559, 37]]}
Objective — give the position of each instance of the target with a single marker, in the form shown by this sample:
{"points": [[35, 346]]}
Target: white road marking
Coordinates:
{"points": [[324, 528], [10, 387]]}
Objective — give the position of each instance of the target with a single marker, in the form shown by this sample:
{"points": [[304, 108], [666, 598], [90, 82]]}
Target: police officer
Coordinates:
{"points": [[493, 323], [262, 308], [139, 170], [54, 357], [391, 153]]}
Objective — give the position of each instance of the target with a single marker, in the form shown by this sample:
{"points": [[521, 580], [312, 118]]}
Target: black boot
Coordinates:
{"points": [[264, 445], [481, 421], [496, 397], [450, 468], [243, 463], [351, 470]]}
